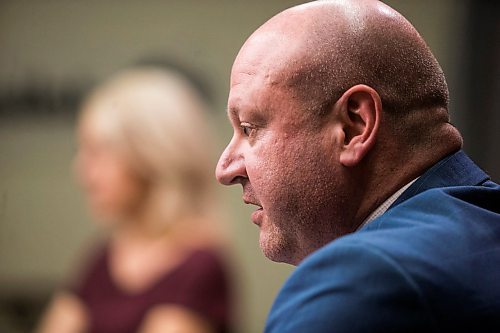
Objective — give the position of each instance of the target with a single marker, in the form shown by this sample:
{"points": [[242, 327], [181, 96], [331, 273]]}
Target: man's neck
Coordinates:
{"points": [[393, 175], [380, 210]]}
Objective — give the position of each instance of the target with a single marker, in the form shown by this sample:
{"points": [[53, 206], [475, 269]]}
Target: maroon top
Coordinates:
{"points": [[200, 284]]}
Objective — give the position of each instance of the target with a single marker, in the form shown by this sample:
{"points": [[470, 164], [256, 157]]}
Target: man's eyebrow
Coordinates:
{"points": [[233, 112]]}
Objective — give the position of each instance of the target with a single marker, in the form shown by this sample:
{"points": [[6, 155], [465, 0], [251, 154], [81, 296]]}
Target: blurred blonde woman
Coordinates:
{"points": [[145, 166]]}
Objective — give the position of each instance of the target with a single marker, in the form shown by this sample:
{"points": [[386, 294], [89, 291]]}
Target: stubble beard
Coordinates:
{"points": [[293, 231], [275, 244]]}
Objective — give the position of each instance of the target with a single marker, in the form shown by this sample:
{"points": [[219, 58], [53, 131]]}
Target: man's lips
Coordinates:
{"points": [[257, 214], [256, 217], [252, 202]]}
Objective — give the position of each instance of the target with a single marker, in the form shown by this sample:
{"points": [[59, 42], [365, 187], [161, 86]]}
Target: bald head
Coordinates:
{"points": [[319, 50], [335, 105]]}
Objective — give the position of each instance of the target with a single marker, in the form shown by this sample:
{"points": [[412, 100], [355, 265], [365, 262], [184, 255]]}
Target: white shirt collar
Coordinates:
{"points": [[386, 204]]}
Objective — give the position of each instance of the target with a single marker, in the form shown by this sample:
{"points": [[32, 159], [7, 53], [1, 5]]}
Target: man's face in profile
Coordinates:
{"points": [[280, 157]]}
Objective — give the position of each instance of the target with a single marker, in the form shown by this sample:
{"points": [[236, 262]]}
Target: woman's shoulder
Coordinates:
{"points": [[203, 271], [91, 266], [204, 285]]}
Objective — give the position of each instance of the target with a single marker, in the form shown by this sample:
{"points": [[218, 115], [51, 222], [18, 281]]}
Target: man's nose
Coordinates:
{"points": [[231, 168]]}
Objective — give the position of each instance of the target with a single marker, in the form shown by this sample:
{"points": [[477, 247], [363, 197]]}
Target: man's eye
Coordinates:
{"points": [[246, 129]]}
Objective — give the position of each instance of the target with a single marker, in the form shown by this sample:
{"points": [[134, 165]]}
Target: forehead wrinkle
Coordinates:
{"points": [[238, 78]]}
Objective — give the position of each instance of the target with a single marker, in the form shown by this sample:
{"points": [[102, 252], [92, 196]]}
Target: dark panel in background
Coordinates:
{"points": [[481, 85]]}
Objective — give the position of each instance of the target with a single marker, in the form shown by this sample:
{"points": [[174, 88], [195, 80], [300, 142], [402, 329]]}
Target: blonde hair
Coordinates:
{"points": [[157, 122]]}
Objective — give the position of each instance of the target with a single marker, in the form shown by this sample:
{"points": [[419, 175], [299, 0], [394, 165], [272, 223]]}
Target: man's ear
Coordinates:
{"points": [[358, 110]]}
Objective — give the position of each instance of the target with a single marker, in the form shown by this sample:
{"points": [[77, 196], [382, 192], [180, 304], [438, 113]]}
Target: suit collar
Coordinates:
{"points": [[454, 170]]}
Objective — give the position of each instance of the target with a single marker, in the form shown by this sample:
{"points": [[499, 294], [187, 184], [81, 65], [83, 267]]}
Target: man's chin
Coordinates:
{"points": [[274, 246]]}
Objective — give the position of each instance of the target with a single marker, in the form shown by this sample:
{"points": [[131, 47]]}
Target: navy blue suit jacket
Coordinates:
{"points": [[431, 263]]}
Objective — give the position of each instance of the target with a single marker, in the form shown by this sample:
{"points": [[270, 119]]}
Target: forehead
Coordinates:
{"points": [[262, 72], [257, 98], [255, 76], [248, 91]]}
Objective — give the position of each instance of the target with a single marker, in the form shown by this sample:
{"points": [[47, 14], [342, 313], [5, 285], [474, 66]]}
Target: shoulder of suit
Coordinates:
{"points": [[435, 227]]}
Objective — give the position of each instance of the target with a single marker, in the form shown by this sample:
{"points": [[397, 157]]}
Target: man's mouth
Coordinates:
{"points": [[257, 214], [252, 202]]}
